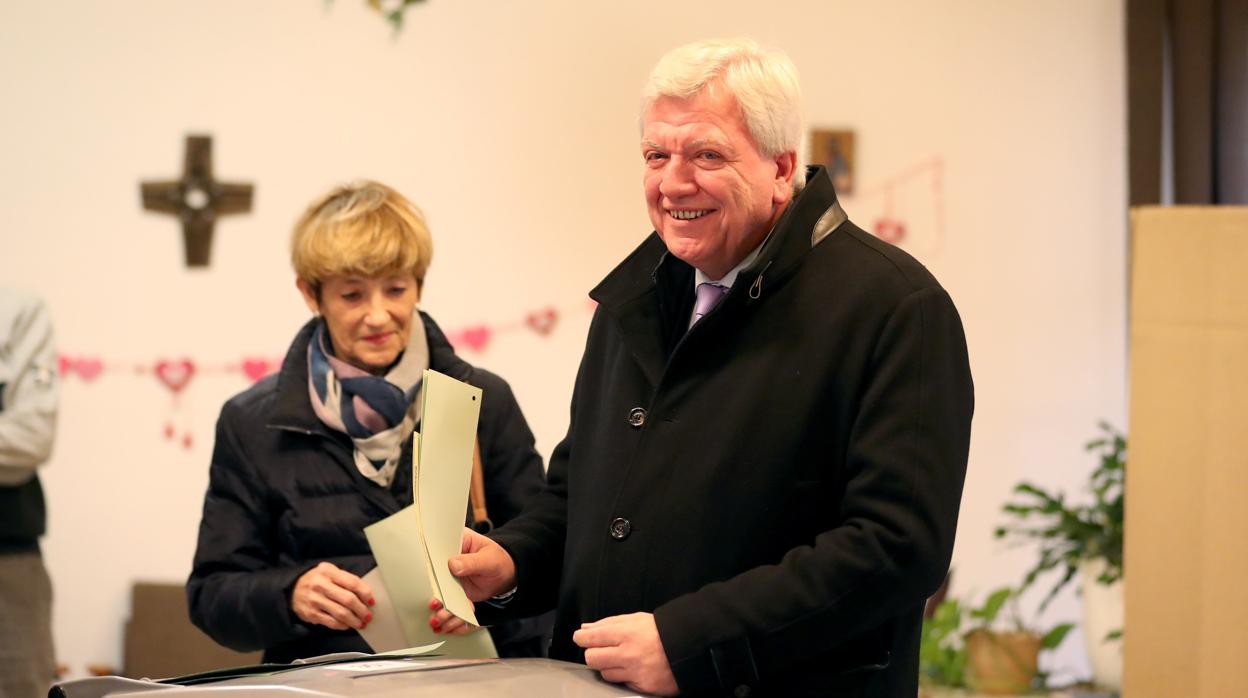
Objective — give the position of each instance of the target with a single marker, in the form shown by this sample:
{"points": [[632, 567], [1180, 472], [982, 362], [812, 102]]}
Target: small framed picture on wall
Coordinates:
{"points": [[834, 149]]}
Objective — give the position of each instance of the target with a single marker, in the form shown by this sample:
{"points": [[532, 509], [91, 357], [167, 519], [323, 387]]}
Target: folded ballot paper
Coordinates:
{"points": [[413, 546]]}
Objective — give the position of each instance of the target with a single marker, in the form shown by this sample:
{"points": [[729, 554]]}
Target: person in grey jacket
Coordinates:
{"points": [[304, 460], [28, 407]]}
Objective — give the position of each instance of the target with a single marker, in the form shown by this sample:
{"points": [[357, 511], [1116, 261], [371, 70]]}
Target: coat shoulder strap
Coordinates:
{"points": [[476, 493]]}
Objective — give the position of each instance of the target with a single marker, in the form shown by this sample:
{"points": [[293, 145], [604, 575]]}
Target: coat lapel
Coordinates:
{"points": [[629, 295]]}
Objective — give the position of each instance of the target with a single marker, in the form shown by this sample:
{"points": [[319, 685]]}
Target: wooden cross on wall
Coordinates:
{"points": [[197, 199]]}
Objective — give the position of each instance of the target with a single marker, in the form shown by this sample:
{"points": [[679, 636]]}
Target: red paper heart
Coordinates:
{"points": [[476, 337], [542, 321], [257, 368], [64, 364], [890, 230], [89, 368], [175, 374]]}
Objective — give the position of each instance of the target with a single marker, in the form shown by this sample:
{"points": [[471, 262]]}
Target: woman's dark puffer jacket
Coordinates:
{"points": [[284, 494]]}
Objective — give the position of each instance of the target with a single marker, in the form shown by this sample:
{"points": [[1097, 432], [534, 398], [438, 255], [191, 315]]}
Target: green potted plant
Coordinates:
{"points": [[1003, 655], [982, 648], [1084, 539], [942, 655]]}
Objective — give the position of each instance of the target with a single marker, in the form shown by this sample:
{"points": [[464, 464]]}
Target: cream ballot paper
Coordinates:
{"points": [[413, 546]]}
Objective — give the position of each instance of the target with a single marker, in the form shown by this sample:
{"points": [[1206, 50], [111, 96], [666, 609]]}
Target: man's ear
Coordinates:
{"points": [[310, 295], [786, 167]]}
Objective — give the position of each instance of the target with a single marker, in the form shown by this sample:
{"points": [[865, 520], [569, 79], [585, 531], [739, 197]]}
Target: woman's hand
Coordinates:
{"points": [[444, 622], [329, 596]]}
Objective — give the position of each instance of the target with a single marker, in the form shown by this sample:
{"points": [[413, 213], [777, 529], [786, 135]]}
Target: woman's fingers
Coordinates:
{"points": [[345, 614], [329, 596], [446, 623], [350, 603], [464, 628], [322, 618], [353, 584], [442, 619], [453, 626], [449, 627]]}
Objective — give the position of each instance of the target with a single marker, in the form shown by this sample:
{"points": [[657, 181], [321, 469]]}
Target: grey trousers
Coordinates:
{"points": [[27, 663]]}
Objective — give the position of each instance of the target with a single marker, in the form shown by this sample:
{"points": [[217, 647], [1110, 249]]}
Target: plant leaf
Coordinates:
{"points": [[1054, 637], [992, 607]]}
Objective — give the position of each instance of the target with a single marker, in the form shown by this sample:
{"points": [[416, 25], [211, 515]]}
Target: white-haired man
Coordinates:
{"points": [[760, 482]]}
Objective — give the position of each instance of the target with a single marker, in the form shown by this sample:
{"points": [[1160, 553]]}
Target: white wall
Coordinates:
{"points": [[514, 125]]}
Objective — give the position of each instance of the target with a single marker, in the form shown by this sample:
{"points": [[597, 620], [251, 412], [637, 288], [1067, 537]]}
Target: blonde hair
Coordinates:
{"points": [[762, 81], [363, 228]]}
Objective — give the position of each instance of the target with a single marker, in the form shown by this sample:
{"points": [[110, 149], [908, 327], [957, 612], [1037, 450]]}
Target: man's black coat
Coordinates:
{"points": [[779, 485]]}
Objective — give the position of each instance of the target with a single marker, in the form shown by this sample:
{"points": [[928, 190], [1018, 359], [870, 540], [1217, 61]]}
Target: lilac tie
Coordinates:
{"points": [[708, 296]]}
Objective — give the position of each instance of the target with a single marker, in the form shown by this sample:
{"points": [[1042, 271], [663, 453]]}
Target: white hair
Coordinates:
{"points": [[763, 82]]}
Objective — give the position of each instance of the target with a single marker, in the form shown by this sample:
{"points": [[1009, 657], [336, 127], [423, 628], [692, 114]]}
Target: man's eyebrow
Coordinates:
{"points": [[704, 142], [692, 145]]}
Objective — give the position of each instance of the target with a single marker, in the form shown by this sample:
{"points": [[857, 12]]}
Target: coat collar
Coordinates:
{"points": [[642, 292], [784, 247], [292, 408]]}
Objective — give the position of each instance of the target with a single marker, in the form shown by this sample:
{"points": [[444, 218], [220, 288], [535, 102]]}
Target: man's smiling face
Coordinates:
{"points": [[712, 196]]}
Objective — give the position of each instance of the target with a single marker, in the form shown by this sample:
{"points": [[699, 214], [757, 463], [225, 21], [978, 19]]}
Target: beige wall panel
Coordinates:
{"points": [[1186, 556]]}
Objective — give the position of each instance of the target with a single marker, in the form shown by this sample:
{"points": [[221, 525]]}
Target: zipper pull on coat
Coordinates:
{"points": [[756, 288]]}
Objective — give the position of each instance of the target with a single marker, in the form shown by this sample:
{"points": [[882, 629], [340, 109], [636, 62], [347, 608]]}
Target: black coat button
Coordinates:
{"points": [[742, 691], [637, 417], [620, 528]]}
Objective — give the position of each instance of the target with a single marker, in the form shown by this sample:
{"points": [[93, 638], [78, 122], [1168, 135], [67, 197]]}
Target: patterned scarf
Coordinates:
{"points": [[378, 413]]}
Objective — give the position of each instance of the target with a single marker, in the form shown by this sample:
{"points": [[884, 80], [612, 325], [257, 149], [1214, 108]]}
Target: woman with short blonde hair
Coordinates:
{"points": [[304, 460], [364, 229]]}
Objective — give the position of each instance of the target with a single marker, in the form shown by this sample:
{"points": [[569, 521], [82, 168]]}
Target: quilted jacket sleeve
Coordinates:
{"points": [[237, 592]]}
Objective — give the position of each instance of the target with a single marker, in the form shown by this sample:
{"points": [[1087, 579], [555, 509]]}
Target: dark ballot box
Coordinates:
{"points": [[375, 676]]}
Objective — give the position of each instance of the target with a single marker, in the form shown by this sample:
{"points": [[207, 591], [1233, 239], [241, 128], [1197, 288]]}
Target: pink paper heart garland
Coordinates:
{"points": [[256, 368], [88, 368], [542, 321], [475, 338], [890, 230], [175, 374]]}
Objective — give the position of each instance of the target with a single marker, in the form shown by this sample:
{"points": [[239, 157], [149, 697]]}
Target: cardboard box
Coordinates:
{"points": [[1186, 556], [160, 641]]}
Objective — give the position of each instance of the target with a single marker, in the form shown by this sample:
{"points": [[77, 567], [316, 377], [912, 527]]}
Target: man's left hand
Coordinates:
{"points": [[628, 650]]}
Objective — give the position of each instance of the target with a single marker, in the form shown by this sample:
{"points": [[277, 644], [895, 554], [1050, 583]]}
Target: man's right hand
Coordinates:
{"points": [[483, 568], [330, 596]]}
